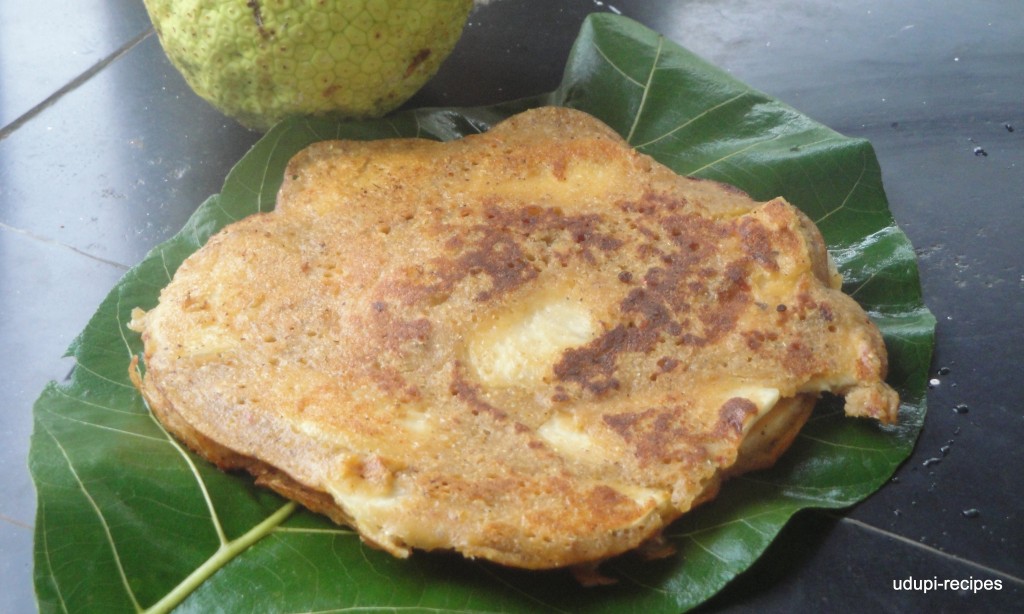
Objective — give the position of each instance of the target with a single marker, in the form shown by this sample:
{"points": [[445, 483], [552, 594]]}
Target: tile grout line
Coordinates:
{"points": [[48, 241], [16, 522], [50, 100], [863, 525]]}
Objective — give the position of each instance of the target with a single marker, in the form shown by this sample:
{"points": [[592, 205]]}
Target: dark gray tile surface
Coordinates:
{"points": [[120, 162], [833, 581], [48, 45], [104, 152]]}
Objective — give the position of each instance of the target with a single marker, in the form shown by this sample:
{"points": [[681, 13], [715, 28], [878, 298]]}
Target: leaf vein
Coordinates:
{"points": [[61, 391], [46, 555], [732, 154], [706, 549], [689, 534], [99, 515], [843, 445], [692, 119], [106, 428], [617, 68], [849, 193], [214, 517], [97, 374], [646, 90]]}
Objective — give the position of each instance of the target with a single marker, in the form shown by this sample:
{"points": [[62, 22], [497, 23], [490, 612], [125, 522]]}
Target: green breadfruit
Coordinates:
{"points": [[260, 61]]}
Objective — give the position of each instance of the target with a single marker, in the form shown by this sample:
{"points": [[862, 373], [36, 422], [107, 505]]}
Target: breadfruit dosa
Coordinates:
{"points": [[534, 346]]}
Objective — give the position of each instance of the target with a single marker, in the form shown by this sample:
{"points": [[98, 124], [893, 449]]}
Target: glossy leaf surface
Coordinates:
{"points": [[129, 520]]}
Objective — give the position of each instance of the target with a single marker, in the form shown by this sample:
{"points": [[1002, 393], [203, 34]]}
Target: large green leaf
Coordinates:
{"points": [[128, 519]]}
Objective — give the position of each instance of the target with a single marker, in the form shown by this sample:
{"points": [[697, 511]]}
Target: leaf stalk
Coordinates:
{"points": [[220, 558]]}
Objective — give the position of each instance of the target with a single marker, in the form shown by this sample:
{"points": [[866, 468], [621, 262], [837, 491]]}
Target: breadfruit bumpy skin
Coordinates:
{"points": [[264, 60], [534, 345]]}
